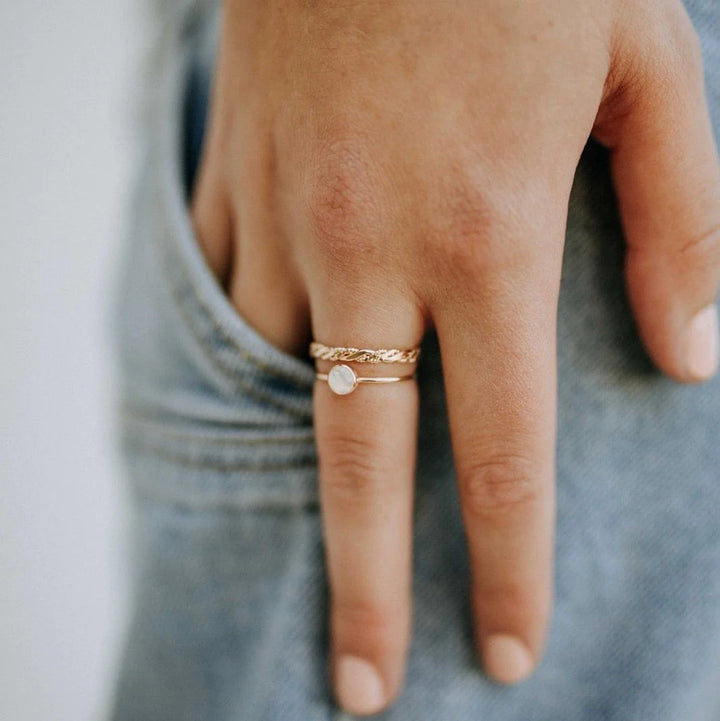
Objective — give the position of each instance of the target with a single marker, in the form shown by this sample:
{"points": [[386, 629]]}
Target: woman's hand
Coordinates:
{"points": [[375, 168]]}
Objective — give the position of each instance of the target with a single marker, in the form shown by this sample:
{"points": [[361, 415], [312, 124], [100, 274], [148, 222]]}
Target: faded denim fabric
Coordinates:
{"points": [[230, 604]]}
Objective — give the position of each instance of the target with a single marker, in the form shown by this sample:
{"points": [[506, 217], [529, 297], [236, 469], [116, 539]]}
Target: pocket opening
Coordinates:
{"points": [[209, 312]]}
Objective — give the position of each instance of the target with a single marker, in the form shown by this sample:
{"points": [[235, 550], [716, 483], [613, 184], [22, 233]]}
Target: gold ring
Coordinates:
{"points": [[342, 379], [363, 355]]}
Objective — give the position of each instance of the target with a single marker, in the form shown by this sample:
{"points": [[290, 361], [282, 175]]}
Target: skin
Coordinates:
{"points": [[375, 169]]}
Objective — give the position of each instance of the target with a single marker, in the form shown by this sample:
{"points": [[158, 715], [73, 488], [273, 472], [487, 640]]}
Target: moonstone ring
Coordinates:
{"points": [[342, 379]]}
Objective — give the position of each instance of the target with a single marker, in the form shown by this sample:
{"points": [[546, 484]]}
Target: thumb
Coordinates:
{"points": [[665, 166]]}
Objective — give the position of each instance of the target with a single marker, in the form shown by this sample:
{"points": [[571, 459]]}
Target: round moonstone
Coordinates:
{"points": [[342, 379]]}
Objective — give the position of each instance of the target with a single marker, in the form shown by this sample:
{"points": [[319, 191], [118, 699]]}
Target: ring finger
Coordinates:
{"points": [[366, 446]]}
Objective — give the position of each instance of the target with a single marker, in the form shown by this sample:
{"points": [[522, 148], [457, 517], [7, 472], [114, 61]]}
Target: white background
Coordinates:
{"points": [[68, 76]]}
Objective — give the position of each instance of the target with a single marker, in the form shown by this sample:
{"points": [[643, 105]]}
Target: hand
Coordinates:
{"points": [[374, 169]]}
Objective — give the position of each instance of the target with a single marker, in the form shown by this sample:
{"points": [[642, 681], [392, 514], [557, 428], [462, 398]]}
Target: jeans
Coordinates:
{"points": [[229, 616]]}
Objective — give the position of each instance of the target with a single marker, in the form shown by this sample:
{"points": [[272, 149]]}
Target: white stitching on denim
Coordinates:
{"points": [[136, 443], [155, 425], [214, 358]]}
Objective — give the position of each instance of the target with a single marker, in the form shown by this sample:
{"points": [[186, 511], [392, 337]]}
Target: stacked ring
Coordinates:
{"points": [[342, 379], [363, 355]]}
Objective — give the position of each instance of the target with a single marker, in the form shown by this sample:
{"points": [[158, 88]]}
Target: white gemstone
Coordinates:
{"points": [[342, 379]]}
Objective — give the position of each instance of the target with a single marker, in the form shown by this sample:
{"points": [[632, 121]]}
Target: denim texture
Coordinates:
{"points": [[229, 617]]}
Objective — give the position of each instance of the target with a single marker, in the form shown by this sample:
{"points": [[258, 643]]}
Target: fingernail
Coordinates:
{"points": [[507, 659], [358, 686], [703, 344]]}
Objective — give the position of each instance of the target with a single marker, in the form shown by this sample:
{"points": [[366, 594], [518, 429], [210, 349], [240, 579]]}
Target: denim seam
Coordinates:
{"points": [[216, 360], [230, 441], [214, 464], [155, 426], [228, 340], [248, 500]]}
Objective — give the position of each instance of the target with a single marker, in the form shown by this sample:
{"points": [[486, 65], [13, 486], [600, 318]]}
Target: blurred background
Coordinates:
{"points": [[67, 156]]}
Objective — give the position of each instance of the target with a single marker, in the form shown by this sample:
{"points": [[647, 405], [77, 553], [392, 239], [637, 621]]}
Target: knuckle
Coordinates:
{"points": [[703, 249], [471, 212], [498, 486], [686, 46], [513, 602], [474, 230], [466, 222], [675, 41], [369, 623], [342, 202], [510, 597], [663, 61], [352, 469]]}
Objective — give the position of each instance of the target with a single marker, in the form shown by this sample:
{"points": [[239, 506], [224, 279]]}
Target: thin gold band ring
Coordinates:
{"points": [[343, 380]]}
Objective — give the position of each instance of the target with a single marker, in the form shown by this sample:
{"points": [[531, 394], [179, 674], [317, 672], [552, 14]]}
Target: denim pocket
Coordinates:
{"points": [[211, 409]]}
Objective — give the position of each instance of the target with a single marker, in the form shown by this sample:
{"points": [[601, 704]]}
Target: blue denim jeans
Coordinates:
{"points": [[230, 594]]}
